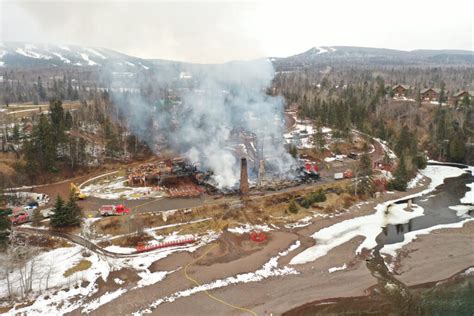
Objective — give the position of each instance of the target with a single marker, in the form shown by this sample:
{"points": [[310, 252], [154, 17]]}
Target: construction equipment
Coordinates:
{"points": [[77, 192]]}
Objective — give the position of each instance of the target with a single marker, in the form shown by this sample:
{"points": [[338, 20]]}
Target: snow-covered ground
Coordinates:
{"points": [[52, 265], [302, 134], [335, 269], [370, 226], [118, 189], [247, 228], [387, 149], [27, 197], [413, 183], [88, 60]]}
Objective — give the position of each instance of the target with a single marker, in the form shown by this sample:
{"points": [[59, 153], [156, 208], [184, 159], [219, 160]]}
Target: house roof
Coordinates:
{"points": [[428, 89], [470, 93], [404, 86]]}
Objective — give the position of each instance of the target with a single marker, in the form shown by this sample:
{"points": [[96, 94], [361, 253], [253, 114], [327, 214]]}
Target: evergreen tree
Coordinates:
{"points": [[466, 101], [59, 217], [66, 215], [16, 134], [112, 146], [57, 121], [41, 91], [318, 139], [364, 181], [36, 217], [74, 210], [40, 150], [400, 180], [5, 230], [292, 207], [68, 120], [456, 149]]}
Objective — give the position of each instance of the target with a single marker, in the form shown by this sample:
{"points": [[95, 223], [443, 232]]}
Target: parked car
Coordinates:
{"points": [[20, 218], [28, 208], [33, 204]]}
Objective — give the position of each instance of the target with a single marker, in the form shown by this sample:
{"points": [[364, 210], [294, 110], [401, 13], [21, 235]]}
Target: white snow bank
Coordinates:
{"points": [[386, 149], [334, 269], [462, 210], [413, 183], [247, 228], [54, 263], [88, 60], [370, 226], [410, 236], [104, 299], [469, 197], [118, 249], [149, 278]]}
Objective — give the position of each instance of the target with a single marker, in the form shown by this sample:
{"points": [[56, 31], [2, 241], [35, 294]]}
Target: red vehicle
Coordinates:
{"points": [[311, 169], [109, 210], [348, 174], [20, 218]]}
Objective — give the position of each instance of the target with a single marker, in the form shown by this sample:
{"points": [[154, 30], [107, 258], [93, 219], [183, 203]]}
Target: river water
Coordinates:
{"points": [[454, 297], [436, 207]]}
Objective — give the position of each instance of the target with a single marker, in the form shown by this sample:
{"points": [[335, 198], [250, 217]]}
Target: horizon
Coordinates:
{"points": [[222, 31], [233, 60]]}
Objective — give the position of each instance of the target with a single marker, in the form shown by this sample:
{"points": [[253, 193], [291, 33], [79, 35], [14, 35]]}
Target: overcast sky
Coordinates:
{"points": [[217, 31]]}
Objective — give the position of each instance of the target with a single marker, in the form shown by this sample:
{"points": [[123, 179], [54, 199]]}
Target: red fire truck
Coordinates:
{"points": [[110, 210]]}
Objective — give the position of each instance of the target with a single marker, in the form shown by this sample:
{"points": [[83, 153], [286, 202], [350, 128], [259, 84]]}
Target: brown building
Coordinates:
{"points": [[400, 90], [430, 94], [459, 96]]}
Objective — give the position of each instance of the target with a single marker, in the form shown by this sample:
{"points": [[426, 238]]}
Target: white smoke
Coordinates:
{"points": [[223, 98]]}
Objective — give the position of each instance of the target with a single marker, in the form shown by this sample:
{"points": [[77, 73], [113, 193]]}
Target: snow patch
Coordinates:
{"points": [[104, 299], [247, 228], [413, 183], [469, 197], [31, 54], [86, 58], [65, 60], [93, 51], [335, 269]]}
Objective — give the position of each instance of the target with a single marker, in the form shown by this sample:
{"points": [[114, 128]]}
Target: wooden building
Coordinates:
{"points": [[400, 90], [458, 97], [430, 94]]}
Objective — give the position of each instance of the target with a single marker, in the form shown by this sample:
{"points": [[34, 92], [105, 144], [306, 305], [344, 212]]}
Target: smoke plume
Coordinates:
{"points": [[209, 108]]}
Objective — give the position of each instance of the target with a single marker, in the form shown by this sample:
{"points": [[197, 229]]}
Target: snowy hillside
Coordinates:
{"points": [[13, 54], [348, 55]]}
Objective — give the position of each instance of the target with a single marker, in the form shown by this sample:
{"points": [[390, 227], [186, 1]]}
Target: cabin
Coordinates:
{"points": [[400, 90], [430, 94], [458, 97]]}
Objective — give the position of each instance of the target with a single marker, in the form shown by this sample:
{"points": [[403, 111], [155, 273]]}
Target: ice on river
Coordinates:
{"points": [[370, 226]]}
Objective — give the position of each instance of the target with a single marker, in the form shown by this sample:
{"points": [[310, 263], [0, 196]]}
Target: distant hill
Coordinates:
{"points": [[27, 55], [348, 55]]}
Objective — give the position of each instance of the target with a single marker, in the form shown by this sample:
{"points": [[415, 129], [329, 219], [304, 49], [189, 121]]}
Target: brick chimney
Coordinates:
{"points": [[244, 178]]}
